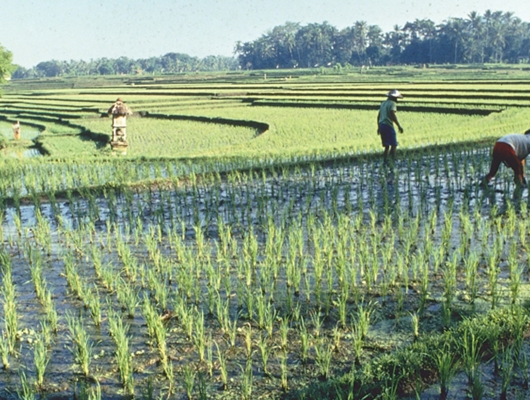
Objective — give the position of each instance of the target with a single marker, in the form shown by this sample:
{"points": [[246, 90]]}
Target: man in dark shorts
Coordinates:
{"points": [[386, 118], [512, 151]]}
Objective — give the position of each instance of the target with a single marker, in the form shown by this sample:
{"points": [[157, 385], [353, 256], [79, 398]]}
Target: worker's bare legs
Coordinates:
{"points": [[519, 178], [389, 150]]}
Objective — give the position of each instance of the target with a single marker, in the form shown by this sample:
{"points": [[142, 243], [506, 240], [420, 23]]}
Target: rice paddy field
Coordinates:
{"points": [[252, 243]]}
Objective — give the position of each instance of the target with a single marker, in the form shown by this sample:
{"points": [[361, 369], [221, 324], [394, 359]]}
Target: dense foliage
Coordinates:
{"points": [[493, 37], [169, 63], [6, 57]]}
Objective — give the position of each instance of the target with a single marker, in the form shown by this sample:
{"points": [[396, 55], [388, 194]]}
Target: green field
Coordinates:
{"points": [[252, 243]]}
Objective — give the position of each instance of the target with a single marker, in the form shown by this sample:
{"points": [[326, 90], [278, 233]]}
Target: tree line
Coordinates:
{"points": [[494, 37], [170, 63]]}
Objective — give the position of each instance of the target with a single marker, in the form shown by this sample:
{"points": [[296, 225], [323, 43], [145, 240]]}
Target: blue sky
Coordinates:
{"points": [[42, 30]]}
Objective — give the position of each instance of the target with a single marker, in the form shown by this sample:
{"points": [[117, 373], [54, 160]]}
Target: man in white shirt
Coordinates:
{"points": [[512, 151]]}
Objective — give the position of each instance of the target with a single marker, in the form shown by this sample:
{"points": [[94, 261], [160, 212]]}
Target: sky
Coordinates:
{"points": [[44, 30]]}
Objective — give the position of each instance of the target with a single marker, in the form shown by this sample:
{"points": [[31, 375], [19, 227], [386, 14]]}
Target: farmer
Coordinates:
{"points": [[386, 118], [511, 150], [16, 130]]}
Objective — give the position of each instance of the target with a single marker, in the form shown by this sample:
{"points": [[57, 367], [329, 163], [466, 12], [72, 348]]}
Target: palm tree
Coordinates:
{"points": [[499, 27], [316, 43], [475, 26], [454, 29], [360, 39], [394, 41], [420, 31], [344, 45]]}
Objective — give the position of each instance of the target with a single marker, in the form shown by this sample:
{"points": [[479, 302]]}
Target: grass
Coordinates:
{"points": [[292, 130]]}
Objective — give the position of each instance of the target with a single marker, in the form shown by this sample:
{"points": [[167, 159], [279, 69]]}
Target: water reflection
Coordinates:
{"points": [[21, 153]]}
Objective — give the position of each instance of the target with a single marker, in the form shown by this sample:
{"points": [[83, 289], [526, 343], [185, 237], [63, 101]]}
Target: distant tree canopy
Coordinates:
{"points": [[494, 37], [6, 66], [168, 63]]}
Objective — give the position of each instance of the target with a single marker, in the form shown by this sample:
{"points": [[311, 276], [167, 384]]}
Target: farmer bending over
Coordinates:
{"points": [[386, 118], [511, 150]]}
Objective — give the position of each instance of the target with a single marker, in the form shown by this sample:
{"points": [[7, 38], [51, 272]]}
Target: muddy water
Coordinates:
{"points": [[22, 153], [406, 189]]}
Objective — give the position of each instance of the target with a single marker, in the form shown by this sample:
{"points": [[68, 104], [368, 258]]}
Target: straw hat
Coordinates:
{"points": [[395, 94]]}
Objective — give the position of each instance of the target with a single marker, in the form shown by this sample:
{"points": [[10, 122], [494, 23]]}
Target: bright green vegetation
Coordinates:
{"points": [[27, 134], [241, 249], [151, 137], [306, 114]]}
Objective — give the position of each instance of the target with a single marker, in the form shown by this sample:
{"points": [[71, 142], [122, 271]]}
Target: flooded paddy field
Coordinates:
{"points": [[262, 283]]}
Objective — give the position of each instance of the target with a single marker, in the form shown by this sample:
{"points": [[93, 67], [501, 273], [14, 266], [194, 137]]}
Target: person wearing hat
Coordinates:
{"points": [[386, 118], [511, 150]]}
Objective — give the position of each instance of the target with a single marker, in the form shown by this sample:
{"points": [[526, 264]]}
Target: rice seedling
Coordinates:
{"points": [[323, 357], [158, 331], [284, 372], [127, 297], [50, 310], [506, 371], [209, 356], [4, 351], [248, 340], [10, 311], [471, 357], [358, 343], [415, 322], [446, 365], [26, 390], [189, 380], [424, 286], [284, 332], [361, 321], [123, 355], [265, 352], [477, 386], [247, 380], [317, 324], [92, 300], [493, 272], [231, 331], [222, 367], [87, 392], [471, 265], [304, 341], [37, 273], [199, 338], [342, 308], [516, 272], [337, 337], [390, 390], [41, 358], [82, 347], [72, 277], [450, 281], [523, 363]]}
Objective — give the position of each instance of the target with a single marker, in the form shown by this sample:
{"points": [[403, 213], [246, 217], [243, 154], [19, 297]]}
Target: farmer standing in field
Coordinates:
{"points": [[386, 118], [511, 150], [16, 130]]}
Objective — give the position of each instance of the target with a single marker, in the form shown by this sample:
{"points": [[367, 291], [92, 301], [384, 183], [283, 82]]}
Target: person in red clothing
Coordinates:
{"points": [[512, 151]]}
